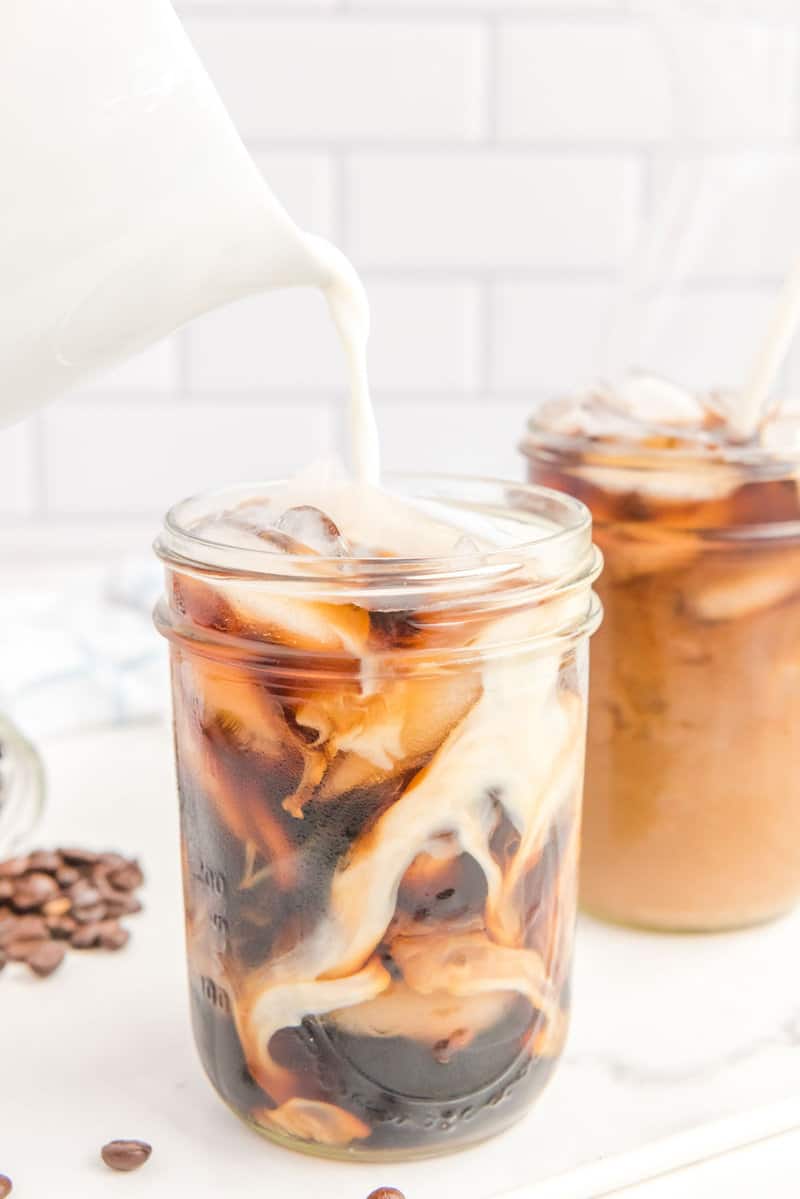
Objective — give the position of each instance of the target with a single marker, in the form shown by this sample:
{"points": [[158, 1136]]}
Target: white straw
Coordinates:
{"points": [[704, 1143], [780, 335]]}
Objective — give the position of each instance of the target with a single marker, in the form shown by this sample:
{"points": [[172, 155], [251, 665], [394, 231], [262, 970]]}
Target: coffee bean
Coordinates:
{"points": [[23, 928], [386, 1193], [67, 875], [83, 895], [21, 950], [125, 1155], [13, 867], [128, 878], [98, 878], [79, 857], [32, 890], [112, 935], [103, 887], [6, 1186], [3, 958], [46, 958], [112, 861], [123, 904], [6, 888], [61, 927], [85, 937], [90, 915], [57, 907], [46, 860]]}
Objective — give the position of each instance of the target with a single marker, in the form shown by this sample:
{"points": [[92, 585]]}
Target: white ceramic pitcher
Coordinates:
{"points": [[128, 203]]}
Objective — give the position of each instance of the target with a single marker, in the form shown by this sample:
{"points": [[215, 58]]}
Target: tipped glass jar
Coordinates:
{"points": [[22, 787]]}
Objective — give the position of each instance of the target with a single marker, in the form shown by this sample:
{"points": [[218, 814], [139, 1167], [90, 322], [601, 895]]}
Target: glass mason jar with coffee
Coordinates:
{"points": [[692, 818], [380, 760]]}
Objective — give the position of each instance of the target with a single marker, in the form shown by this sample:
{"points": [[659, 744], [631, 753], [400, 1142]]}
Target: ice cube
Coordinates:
{"points": [[738, 590], [703, 482], [313, 1120], [588, 414], [314, 530], [634, 550], [782, 433], [225, 715], [472, 964], [403, 1012], [655, 401], [250, 527], [370, 739]]}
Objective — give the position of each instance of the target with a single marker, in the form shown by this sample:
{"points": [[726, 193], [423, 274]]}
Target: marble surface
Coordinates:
{"points": [[667, 1032]]}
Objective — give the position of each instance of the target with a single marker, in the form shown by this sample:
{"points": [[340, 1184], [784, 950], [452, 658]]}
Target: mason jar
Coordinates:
{"points": [[380, 764], [692, 820]]}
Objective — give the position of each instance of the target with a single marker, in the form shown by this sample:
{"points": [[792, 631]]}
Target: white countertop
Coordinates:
{"points": [[667, 1032]]}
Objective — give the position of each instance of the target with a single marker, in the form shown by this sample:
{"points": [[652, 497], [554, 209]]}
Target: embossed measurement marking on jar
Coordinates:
{"points": [[216, 884], [216, 994], [213, 880], [220, 925]]}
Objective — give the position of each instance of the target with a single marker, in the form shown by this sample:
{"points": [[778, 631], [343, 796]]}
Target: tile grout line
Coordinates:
{"points": [[417, 11], [340, 224], [586, 149], [485, 347], [258, 395], [340, 205], [492, 81], [40, 486], [183, 352]]}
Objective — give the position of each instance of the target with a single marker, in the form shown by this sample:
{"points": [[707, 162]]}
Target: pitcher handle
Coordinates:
{"points": [[22, 788]]}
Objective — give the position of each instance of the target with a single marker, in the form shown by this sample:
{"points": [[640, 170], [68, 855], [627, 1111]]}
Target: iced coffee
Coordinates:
{"points": [[379, 724], [692, 819]]}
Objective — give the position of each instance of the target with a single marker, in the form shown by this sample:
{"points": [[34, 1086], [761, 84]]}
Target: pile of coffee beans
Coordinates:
{"points": [[51, 900]]}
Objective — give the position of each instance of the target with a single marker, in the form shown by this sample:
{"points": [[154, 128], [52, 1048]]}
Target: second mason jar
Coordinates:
{"points": [[692, 819], [380, 762]]}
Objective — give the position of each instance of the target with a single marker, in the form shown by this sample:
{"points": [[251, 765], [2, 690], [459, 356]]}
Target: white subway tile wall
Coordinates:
{"points": [[548, 336], [489, 166], [454, 435], [18, 462], [137, 456], [492, 209], [336, 79], [603, 82]]}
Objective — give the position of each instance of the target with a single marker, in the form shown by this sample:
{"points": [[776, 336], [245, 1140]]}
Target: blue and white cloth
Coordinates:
{"points": [[81, 650]]}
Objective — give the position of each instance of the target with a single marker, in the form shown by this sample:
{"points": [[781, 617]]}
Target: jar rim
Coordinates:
{"points": [[552, 573], [561, 522], [635, 456]]}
